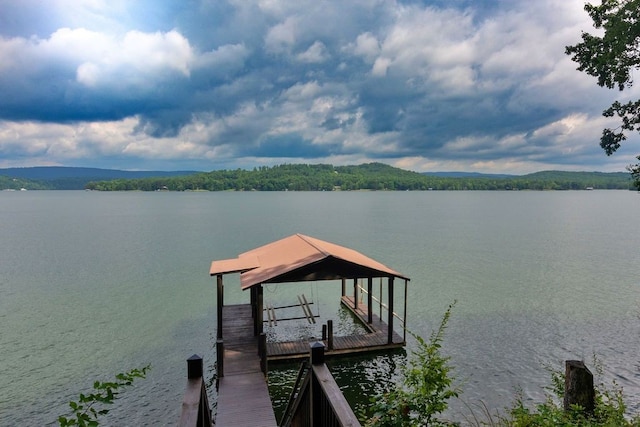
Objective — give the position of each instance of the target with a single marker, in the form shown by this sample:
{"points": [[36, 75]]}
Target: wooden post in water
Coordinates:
{"points": [[355, 293], [262, 352], [344, 287], [220, 358], [404, 317], [390, 303], [369, 300], [578, 386], [220, 304], [258, 327], [330, 334], [254, 302]]}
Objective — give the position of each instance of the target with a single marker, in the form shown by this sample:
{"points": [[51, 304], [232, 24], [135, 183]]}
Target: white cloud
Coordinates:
{"points": [[317, 53], [281, 37], [137, 57], [366, 46]]}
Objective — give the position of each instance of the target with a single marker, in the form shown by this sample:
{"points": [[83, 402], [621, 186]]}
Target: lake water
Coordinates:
{"points": [[92, 284]]}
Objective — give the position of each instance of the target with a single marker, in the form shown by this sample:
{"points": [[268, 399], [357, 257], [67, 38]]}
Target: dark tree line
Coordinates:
{"points": [[372, 176]]}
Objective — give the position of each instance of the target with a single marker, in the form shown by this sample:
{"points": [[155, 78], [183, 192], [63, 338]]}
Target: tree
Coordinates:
{"points": [[424, 390], [612, 58]]}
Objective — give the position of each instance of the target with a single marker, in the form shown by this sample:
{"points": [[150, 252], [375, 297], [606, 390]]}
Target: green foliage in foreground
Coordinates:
{"points": [[371, 176], [84, 412], [424, 390], [426, 386], [609, 408]]}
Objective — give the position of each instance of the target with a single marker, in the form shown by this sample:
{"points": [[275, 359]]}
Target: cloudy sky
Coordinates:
{"points": [[439, 85]]}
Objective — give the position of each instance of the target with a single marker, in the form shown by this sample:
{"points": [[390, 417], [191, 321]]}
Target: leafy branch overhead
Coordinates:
{"points": [[85, 410], [612, 58]]}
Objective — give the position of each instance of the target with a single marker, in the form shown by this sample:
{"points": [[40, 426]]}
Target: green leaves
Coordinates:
{"points": [[84, 414], [425, 387], [612, 58], [609, 408]]}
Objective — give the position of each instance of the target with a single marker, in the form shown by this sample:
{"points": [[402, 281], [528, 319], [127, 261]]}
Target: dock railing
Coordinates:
{"points": [[196, 411], [316, 399], [382, 305]]}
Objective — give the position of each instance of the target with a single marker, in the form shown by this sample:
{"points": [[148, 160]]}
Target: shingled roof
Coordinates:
{"points": [[299, 258]]}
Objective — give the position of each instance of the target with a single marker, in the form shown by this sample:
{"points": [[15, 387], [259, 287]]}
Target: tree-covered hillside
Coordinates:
{"points": [[69, 178], [371, 176]]}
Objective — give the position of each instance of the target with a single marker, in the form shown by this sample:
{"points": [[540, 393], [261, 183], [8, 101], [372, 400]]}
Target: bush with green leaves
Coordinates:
{"points": [[425, 386], [85, 411], [610, 408]]}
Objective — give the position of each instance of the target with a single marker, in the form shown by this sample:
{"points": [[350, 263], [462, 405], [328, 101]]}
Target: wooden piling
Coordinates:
{"points": [[578, 386]]}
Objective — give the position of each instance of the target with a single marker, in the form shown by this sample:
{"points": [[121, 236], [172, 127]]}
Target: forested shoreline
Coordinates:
{"points": [[372, 176], [308, 177]]}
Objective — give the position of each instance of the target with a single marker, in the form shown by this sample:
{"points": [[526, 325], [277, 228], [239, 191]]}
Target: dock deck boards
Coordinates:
{"points": [[243, 395], [351, 344]]}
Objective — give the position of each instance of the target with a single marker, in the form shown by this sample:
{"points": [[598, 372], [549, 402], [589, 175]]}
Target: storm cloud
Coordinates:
{"points": [[432, 85]]}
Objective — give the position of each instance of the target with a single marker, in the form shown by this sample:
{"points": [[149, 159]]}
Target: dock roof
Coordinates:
{"points": [[299, 258]]}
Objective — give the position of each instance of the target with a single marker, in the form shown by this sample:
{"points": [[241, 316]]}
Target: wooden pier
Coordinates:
{"points": [[244, 385], [243, 395]]}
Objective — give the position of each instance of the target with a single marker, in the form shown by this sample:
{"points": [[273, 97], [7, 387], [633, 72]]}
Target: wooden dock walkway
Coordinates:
{"points": [[243, 395]]}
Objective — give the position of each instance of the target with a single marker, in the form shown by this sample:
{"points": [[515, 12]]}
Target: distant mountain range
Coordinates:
{"points": [[303, 177]]}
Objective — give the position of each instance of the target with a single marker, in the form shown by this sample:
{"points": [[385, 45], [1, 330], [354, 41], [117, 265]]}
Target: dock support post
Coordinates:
{"points": [[330, 334], [578, 386], [220, 304], [262, 352], [369, 300], [254, 303], [390, 321], [355, 293], [324, 332], [404, 317], [220, 358], [344, 287], [257, 321]]}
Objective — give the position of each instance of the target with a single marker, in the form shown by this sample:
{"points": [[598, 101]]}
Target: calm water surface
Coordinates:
{"points": [[92, 284]]}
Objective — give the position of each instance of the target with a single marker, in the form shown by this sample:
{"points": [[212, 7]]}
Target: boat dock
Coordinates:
{"points": [[241, 346]]}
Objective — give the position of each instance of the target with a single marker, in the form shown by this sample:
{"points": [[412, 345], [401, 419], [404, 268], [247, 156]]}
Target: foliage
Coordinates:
{"points": [[425, 388], [609, 408], [612, 58], [84, 412], [8, 183], [372, 176]]}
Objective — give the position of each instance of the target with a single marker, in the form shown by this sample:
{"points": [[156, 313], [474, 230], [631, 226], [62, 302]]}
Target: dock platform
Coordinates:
{"points": [[375, 340]]}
